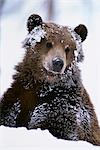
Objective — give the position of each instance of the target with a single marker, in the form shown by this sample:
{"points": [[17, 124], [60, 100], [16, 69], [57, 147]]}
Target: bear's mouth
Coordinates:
{"points": [[51, 75], [51, 72]]}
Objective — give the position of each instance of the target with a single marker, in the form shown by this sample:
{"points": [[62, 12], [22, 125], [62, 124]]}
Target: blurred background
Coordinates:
{"points": [[13, 18]]}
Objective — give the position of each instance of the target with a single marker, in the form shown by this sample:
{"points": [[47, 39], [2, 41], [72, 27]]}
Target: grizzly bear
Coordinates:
{"points": [[47, 91]]}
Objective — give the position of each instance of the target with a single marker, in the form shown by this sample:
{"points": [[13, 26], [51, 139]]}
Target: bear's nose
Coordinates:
{"points": [[57, 64]]}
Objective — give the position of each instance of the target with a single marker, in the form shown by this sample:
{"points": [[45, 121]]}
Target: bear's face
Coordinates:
{"points": [[58, 49], [52, 49]]}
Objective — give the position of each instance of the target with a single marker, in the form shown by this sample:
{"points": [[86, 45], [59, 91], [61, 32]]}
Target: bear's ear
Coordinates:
{"points": [[33, 21], [82, 31]]}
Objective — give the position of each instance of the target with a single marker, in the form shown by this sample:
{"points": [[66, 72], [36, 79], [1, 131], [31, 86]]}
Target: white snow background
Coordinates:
{"points": [[13, 31]]}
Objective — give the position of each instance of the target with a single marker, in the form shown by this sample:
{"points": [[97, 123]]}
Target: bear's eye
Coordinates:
{"points": [[67, 49], [49, 45]]}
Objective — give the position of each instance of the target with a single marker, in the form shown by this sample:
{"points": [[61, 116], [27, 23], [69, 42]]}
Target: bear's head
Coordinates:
{"points": [[52, 49]]}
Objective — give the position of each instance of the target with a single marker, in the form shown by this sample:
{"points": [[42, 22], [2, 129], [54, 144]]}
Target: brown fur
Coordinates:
{"points": [[95, 129], [32, 74]]}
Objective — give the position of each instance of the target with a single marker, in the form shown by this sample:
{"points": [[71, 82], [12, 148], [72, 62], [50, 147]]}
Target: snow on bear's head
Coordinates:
{"points": [[53, 49]]}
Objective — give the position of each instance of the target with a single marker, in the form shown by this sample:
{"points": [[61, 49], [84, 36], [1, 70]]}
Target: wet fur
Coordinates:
{"points": [[33, 102]]}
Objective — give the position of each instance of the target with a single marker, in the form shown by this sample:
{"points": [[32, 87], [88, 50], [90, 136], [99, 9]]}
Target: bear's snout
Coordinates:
{"points": [[57, 64]]}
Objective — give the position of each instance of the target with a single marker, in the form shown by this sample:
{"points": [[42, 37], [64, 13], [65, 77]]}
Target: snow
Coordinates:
{"points": [[13, 31], [82, 115], [22, 139], [34, 37], [78, 52]]}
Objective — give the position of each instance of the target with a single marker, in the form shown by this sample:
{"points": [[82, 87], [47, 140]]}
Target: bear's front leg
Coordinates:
{"points": [[29, 101], [39, 117], [93, 134], [16, 104]]}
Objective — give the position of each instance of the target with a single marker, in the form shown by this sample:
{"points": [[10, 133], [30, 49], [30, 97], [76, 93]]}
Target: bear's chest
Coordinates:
{"points": [[62, 117]]}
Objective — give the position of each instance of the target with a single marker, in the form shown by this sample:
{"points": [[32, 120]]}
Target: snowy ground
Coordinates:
{"points": [[13, 31], [22, 139]]}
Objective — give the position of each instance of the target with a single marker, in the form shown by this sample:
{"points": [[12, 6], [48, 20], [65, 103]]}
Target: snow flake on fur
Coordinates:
{"points": [[34, 37], [78, 52]]}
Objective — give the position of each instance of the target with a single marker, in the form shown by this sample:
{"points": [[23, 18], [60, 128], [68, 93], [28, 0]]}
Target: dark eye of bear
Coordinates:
{"points": [[49, 45], [67, 49]]}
